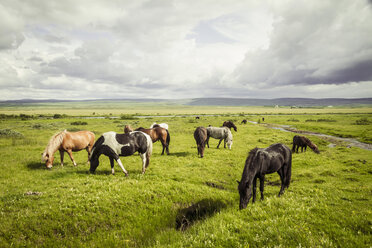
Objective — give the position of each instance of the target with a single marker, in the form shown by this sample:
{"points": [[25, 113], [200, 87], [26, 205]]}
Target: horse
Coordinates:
{"points": [[163, 125], [158, 133], [67, 142], [303, 142], [262, 161], [221, 133], [200, 136], [230, 125], [114, 145], [244, 121], [128, 129]]}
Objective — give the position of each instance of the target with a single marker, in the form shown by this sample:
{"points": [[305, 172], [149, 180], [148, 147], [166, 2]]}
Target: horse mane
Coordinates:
{"points": [[310, 143], [54, 142], [251, 154]]}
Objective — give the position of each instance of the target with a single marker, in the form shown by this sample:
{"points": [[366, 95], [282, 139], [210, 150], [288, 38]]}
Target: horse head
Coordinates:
{"points": [[128, 129], [48, 160], [245, 192]]}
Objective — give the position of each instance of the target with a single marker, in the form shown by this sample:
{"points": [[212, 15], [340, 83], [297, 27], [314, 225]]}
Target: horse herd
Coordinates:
{"points": [[260, 161]]}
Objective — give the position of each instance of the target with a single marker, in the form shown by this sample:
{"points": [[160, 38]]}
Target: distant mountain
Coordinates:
{"points": [[299, 102]]}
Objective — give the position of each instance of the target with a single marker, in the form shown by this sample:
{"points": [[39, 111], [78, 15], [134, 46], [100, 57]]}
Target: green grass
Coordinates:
{"points": [[328, 203]]}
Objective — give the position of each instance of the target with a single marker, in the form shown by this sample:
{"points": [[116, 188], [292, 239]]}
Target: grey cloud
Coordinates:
{"points": [[318, 43]]}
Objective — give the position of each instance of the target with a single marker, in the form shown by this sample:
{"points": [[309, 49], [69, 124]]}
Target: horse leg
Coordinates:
{"points": [[224, 143], [207, 141], [219, 143], [121, 166], [71, 157], [112, 165], [61, 153], [143, 156], [262, 184], [254, 189], [297, 148], [88, 150], [282, 179], [305, 148]]}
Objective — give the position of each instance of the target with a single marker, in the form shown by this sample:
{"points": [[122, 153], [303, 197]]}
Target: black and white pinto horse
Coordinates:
{"points": [[221, 133], [114, 145]]}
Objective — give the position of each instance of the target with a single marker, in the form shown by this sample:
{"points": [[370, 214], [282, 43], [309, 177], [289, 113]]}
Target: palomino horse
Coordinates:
{"points": [[114, 145], [163, 125], [230, 125], [200, 136], [303, 142], [262, 161], [221, 133], [67, 142], [158, 133]]}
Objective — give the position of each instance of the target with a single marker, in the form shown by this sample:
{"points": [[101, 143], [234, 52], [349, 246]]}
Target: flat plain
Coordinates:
{"points": [[184, 200]]}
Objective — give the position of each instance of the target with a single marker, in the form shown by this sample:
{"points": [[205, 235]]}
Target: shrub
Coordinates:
{"points": [[9, 133], [326, 120], [77, 123], [363, 121], [127, 117], [293, 120]]}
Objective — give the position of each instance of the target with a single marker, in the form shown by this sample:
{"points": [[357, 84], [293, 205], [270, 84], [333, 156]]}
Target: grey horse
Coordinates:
{"points": [[221, 133]]}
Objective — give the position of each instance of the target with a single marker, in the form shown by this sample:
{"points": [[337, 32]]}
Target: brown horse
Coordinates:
{"points": [[128, 129], [67, 142], [303, 142], [200, 136], [230, 125], [158, 133]]}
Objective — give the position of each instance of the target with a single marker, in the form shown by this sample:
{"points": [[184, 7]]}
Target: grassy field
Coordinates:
{"points": [[183, 200]]}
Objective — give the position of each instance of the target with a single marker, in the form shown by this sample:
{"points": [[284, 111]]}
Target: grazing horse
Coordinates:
{"points": [[303, 142], [114, 145], [262, 161], [244, 121], [67, 142], [200, 136], [158, 133], [163, 125], [221, 133], [230, 125]]}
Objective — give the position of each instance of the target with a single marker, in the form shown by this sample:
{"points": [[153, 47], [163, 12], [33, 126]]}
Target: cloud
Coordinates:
{"points": [[321, 43], [171, 50]]}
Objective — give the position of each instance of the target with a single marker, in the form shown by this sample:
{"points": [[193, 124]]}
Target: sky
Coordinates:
{"points": [[176, 49]]}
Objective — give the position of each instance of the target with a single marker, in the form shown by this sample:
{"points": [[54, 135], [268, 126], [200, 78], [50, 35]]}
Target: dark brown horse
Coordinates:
{"points": [[200, 136], [303, 142], [244, 121], [230, 125], [158, 133]]}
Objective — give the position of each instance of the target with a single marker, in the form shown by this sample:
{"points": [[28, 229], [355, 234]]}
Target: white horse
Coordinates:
{"points": [[221, 133], [163, 125]]}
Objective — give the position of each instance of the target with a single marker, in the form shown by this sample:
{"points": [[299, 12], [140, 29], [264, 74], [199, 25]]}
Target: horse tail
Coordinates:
{"points": [[289, 170], [168, 137], [149, 149], [95, 149]]}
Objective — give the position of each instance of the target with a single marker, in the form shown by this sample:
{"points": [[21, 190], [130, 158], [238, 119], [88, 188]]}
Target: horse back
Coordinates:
{"points": [[278, 155], [77, 141]]}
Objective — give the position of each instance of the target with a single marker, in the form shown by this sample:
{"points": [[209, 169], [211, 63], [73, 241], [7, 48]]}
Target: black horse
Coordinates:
{"points": [[200, 136], [244, 121], [303, 142], [114, 145], [230, 125], [262, 161]]}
